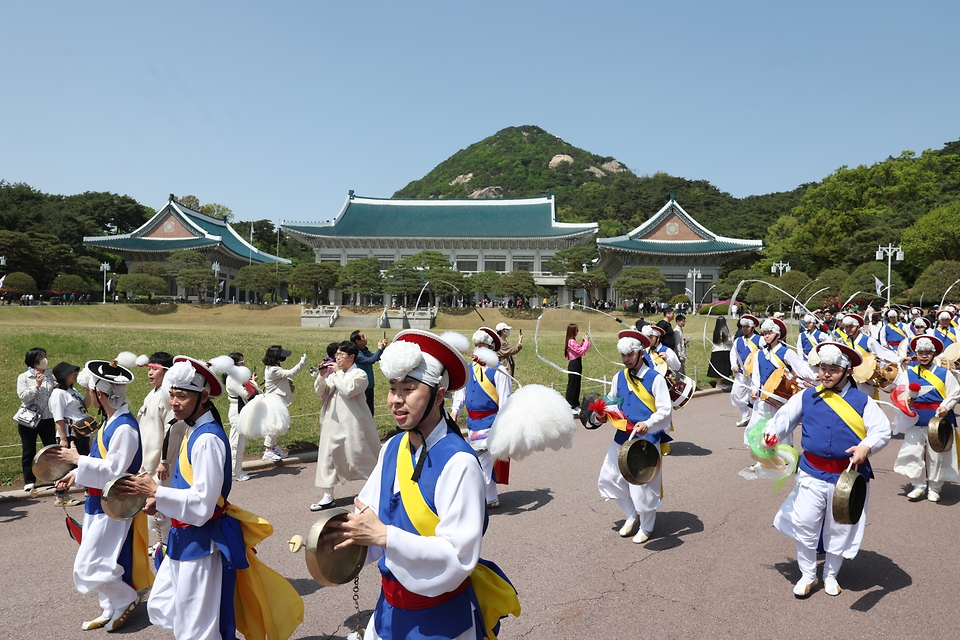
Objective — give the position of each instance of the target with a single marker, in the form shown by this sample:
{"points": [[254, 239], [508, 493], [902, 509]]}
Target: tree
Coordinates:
{"points": [[157, 269], [864, 281], [641, 284], [934, 237], [519, 284], [727, 285], [405, 279], [483, 283], [187, 259], [591, 280], [20, 283], [215, 210], [201, 280], [141, 284], [791, 282], [934, 281], [360, 277], [309, 279], [254, 278], [832, 280], [572, 259], [190, 202], [70, 284]]}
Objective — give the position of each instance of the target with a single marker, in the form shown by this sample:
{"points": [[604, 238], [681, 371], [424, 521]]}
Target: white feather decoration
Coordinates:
{"points": [[127, 359], [143, 360], [83, 378], [240, 374], [456, 340], [264, 415], [488, 357], [222, 364], [399, 359], [533, 418]]}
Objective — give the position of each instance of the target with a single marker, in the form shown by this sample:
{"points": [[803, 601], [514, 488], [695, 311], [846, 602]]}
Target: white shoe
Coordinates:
{"points": [[933, 496], [831, 587], [270, 456], [243, 477], [280, 453], [642, 536], [96, 623], [917, 493], [743, 422], [804, 587], [630, 527], [120, 617]]}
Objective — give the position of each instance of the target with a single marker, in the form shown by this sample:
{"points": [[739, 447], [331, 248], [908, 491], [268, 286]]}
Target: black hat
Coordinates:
{"points": [[63, 369], [278, 352]]}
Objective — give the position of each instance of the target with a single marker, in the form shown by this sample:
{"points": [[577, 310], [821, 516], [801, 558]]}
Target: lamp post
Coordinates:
{"points": [[3, 261], [105, 267], [216, 276], [780, 268], [694, 273], [889, 251]]}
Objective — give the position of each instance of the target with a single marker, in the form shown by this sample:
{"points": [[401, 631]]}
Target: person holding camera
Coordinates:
{"points": [[34, 387]]}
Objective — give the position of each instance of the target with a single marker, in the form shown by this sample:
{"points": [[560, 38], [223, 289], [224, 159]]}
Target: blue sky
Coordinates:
{"points": [[278, 109]]}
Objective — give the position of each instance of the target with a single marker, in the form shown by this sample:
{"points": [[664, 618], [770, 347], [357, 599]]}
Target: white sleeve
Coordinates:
{"points": [[661, 418], [755, 376], [733, 355], [953, 392], [196, 505], [878, 427], [349, 383], [456, 403], [503, 385], [800, 366], [433, 565], [96, 472], [882, 353], [787, 418], [57, 404], [370, 496], [671, 358]]}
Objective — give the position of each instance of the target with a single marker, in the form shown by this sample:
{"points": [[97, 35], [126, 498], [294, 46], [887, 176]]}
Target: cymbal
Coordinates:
{"points": [[46, 469]]}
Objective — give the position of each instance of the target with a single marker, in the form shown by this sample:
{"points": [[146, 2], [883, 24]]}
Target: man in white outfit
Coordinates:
{"points": [[743, 346]]}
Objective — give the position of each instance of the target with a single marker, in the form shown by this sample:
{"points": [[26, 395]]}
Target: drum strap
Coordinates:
{"points": [[485, 383], [843, 409], [636, 386], [777, 360], [932, 378]]}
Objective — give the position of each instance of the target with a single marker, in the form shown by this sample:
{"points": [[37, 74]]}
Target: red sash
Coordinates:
{"points": [[828, 465], [177, 524], [400, 597], [479, 415]]}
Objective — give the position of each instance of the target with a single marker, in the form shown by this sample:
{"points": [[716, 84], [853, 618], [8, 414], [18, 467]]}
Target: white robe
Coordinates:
{"points": [[238, 441], [96, 567], [916, 460], [349, 441], [154, 419], [740, 393], [433, 565]]}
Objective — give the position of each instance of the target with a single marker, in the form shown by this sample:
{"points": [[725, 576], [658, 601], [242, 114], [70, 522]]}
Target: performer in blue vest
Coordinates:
{"points": [[743, 346], [113, 557], [647, 411], [946, 330], [487, 389], [422, 512], [658, 353], [918, 327], [775, 356], [937, 393], [811, 336], [892, 333], [841, 425], [207, 560]]}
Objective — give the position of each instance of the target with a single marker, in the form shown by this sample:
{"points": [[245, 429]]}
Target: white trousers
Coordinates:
{"points": [[808, 510], [486, 466], [740, 396], [923, 465], [186, 597], [641, 500], [238, 444], [96, 568]]}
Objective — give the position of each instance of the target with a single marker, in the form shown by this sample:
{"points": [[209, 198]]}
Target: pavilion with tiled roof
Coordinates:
{"points": [[176, 226], [475, 235], [678, 245]]}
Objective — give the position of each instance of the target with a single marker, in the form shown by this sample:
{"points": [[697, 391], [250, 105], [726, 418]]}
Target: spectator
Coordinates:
{"points": [[365, 360], [507, 351], [573, 351], [681, 342], [239, 394], [667, 326], [34, 387], [277, 381]]}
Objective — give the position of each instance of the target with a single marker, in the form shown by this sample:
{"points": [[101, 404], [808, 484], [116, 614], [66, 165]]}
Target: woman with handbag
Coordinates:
{"points": [[33, 419], [68, 407]]}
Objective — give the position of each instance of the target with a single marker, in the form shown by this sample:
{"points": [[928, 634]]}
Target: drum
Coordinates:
{"points": [[46, 469], [329, 567], [117, 507], [639, 460], [849, 496], [780, 387], [681, 388], [939, 434], [814, 358], [749, 363], [866, 369]]}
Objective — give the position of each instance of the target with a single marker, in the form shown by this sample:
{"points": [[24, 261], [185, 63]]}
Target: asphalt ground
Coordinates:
{"points": [[715, 567]]}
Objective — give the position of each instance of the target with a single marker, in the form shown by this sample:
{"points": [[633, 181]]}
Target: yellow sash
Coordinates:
{"points": [[775, 359], [897, 329], [186, 469], [486, 384], [101, 445], [496, 596], [636, 386], [932, 378], [843, 409]]}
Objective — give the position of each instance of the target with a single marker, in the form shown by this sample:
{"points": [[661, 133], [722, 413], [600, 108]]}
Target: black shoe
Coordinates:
{"points": [[320, 506]]}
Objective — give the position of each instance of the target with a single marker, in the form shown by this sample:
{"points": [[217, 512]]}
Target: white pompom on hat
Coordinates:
{"points": [[631, 340], [747, 320], [840, 355], [426, 357], [190, 374]]}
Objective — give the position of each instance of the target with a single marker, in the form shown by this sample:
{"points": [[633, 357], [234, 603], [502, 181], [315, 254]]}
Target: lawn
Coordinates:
{"points": [[81, 333]]}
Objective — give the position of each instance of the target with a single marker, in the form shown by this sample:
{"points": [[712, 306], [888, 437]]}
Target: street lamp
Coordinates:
{"points": [[216, 275], [105, 267], [694, 273], [889, 251], [780, 268], [3, 261]]}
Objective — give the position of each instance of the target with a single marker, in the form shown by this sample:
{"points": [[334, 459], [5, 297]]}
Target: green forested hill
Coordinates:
{"points": [[591, 188]]}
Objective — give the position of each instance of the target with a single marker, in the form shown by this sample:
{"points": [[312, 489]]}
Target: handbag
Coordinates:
{"points": [[27, 416]]}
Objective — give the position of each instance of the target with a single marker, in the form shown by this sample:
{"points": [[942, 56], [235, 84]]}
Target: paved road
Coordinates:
{"points": [[715, 568]]}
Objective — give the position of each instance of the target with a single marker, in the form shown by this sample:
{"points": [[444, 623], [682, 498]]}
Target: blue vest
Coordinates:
{"points": [[634, 409], [826, 435], [767, 366], [93, 505], [894, 337], [933, 395], [946, 338], [742, 349], [476, 399], [807, 344], [453, 617]]}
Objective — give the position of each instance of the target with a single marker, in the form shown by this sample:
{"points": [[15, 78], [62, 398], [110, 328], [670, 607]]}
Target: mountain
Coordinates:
{"points": [[527, 161]]}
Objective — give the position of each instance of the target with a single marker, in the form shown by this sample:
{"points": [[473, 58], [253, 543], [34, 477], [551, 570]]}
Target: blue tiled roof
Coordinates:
{"points": [[681, 247], [386, 218]]}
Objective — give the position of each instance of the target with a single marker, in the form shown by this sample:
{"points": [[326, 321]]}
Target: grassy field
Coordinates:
{"points": [[81, 333]]}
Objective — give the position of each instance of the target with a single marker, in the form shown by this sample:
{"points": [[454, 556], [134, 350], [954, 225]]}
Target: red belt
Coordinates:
{"points": [[827, 464], [400, 597], [96, 493], [177, 524], [478, 415], [927, 406]]}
